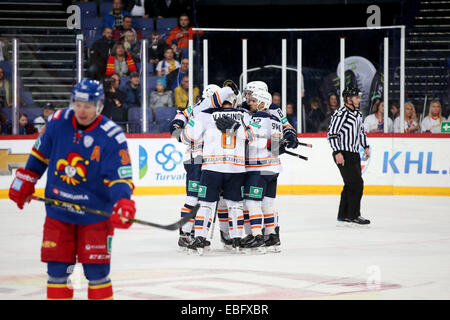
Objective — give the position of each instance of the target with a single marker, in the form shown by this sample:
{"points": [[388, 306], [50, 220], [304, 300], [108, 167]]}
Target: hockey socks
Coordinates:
{"points": [[235, 218], [255, 216], [100, 290], [269, 215], [203, 218], [59, 289], [222, 213], [187, 208]]}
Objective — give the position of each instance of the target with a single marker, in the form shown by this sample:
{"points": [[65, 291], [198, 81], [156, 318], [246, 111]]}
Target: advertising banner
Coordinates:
{"points": [[409, 165]]}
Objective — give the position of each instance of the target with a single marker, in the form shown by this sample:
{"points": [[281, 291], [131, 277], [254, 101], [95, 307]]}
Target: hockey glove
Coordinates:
{"points": [[290, 139], [232, 85], [123, 210], [175, 127], [226, 124], [22, 186]]}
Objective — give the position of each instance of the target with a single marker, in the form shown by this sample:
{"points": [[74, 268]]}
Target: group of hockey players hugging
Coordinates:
{"points": [[232, 165]]}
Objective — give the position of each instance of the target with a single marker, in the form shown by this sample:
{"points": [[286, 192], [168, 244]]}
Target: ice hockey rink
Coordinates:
{"points": [[404, 254]]}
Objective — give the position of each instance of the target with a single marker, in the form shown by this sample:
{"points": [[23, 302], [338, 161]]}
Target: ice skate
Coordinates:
{"points": [[273, 243], [197, 246], [236, 245], [183, 241], [343, 222], [360, 222], [226, 241], [255, 245]]}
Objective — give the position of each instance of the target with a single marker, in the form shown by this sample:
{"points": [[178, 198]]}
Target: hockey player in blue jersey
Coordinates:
{"points": [[87, 162]]}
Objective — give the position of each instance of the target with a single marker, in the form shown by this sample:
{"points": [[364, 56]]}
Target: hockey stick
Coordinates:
{"points": [[296, 155], [77, 208], [214, 221]]}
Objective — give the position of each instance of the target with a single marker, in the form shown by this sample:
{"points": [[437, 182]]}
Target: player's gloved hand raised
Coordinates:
{"points": [[232, 85], [123, 210], [175, 127], [22, 187], [227, 124], [290, 139]]}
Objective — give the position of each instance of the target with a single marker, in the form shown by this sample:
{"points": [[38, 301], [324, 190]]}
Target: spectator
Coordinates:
{"points": [[4, 50], [133, 90], [432, 122], [4, 125], [115, 100], [394, 110], [181, 32], [5, 90], [40, 121], [171, 8], [132, 46], [375, 121], [181, 93], [127, 25], [332, 106], [276, 99], [174, 78], [139, 8], [24, 126], [100, 51], [314, 116], [156, 49], [114, 19], [167, 65], [411, 121], [160, 97], [120, 62], [291, 115], [177, 54]]}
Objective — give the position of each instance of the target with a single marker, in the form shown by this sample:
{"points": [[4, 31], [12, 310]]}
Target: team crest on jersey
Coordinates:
{"points": [[88, 141], [73, 169]]}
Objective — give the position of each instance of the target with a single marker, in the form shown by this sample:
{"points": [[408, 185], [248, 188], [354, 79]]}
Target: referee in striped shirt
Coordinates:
{"points": [[346, 135]]}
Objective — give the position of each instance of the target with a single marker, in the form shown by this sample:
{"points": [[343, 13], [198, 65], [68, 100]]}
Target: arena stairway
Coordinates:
{"points": [[427, 58], [47, 48]]}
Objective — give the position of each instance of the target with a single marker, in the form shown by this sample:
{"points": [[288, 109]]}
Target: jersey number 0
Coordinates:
{"points": [[228, 141]]}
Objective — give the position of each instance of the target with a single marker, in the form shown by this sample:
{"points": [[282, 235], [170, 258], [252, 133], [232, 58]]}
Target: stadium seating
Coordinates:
{"points": [[88, 9], [151, 83], [164, 25], [145, 25], [163, 117], [149, 67], [105, 8], [134, 119], [92, 29]]}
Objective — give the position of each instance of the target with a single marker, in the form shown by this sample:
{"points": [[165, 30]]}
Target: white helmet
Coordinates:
{"points": [[262, 96], [235, 100], [256, 85], [209, 90]]}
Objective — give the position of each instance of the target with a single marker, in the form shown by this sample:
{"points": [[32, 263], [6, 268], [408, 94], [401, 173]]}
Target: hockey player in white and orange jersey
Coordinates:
{"points": [[262, 169], [212, 97], [224, 132]]}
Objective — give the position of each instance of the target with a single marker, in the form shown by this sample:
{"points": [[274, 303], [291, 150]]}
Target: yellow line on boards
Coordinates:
{"points": [[295, 190]]}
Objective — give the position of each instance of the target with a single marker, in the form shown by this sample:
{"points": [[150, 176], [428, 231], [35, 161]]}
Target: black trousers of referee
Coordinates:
{"points": [[350, 204]]}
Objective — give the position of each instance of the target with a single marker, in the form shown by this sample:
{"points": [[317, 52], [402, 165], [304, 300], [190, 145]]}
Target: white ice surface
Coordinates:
{"points": [[405, 254]]}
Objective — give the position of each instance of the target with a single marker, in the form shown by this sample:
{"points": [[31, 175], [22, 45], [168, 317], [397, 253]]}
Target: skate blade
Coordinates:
{"points": [[274, 249], [228, 247], [237, 250], [342, 224], [360, 226], [183, 249], [258, 250]]}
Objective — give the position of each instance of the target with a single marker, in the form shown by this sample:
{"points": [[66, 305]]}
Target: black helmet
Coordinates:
{"points": [[350, 92]]}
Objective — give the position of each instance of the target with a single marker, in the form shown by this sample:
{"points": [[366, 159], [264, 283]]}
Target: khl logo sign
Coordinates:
{"points": [[169, 157]]}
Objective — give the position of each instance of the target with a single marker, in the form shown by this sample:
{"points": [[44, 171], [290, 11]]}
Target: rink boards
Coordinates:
{"points": [[399, 165]]}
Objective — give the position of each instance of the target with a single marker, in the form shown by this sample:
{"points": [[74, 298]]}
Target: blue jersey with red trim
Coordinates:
{"points": [[90, 167]]}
